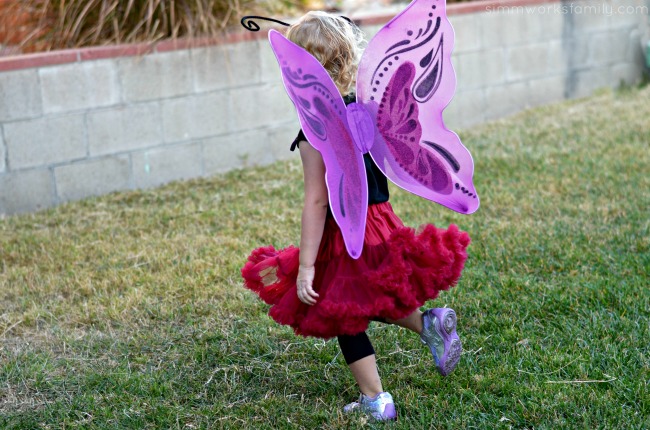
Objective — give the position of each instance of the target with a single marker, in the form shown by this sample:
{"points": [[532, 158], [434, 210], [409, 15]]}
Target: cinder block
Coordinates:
{"points": [[222, 66], [550, 19], [546, 90], [280, 139], [78, 86], [575, 50], [466, 31], [535, 23], [20, 95], [45, 141], [26, 191], [260, 106], [494, 29], [601, 49], [589, 16], [92, 178], [196, 117], [558, 57], [506, 100], [248, 148], [124, 128], [591, 79], [503, 25], [627, 73], [636, 48], [467, 108], [159, 166], [619, 41], [480, 68], [269, 67], [627, 13], [527, 61], [156, 76]]}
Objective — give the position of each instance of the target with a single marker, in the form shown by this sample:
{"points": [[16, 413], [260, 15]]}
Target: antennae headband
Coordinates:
{"points": [[251, 25]]}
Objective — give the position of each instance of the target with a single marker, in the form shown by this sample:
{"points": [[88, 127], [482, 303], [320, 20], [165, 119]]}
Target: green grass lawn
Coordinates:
{"points": [[127, 311]]}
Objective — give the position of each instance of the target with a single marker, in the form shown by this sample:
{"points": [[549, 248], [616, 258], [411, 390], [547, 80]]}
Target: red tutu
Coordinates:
{"points": [[397, 272]]}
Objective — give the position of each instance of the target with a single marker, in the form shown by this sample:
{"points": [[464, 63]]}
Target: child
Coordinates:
{"points": [[319, 290]]}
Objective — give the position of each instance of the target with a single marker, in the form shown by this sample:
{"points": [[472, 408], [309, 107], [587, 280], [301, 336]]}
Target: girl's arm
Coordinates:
{"points": [[314, 213]]}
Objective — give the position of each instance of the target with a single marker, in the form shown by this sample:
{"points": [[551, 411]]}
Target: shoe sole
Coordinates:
{"points": [[445, 327]]}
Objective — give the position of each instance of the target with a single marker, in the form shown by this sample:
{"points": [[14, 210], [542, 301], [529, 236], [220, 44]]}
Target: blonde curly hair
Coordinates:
{"points": [[335, 42]]}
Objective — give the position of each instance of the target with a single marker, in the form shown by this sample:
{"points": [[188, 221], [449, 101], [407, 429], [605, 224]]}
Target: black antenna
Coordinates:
{"points": [[251, 25]]}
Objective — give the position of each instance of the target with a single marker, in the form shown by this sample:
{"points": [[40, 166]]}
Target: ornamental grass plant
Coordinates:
{"points": [[44, 25], [60, 24], [128, 311]]}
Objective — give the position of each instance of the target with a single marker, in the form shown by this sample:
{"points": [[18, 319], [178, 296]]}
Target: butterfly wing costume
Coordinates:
{"points": [[404, 81], [324, 121], [369, 265]]}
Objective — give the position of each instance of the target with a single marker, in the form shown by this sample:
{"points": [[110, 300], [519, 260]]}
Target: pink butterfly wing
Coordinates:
{"points": [[323, 118], [405, 80]]}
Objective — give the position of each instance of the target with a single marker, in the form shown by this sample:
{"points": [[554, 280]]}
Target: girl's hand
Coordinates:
{"points": [[306, 293]]}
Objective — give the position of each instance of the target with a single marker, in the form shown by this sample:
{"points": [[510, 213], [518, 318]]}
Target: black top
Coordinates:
{"points": [[377, 183]]}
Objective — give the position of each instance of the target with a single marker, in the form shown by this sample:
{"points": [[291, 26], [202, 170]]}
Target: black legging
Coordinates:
{"points": [[357, 346]]}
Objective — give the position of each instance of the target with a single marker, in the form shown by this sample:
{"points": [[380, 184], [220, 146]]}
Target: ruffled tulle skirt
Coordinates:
{"points": [[397, 272]]}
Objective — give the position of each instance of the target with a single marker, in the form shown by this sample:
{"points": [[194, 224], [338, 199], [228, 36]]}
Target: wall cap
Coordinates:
{"points": [[51, 58]]}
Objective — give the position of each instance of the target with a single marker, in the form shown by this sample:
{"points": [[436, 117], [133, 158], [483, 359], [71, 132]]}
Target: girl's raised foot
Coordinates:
{"points": [[439, 334]]}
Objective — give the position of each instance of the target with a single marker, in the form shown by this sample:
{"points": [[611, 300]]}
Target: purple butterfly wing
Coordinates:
{"points": [[405, 80], [323, 118]]}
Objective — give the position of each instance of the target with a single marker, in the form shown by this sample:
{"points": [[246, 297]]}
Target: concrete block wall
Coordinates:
{"points": [[516, 55], [87, 122], [85, 128]]}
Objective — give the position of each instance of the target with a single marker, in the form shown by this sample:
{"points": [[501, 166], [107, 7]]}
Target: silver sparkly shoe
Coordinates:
{"points": [[380, 407], [439, 334]]}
